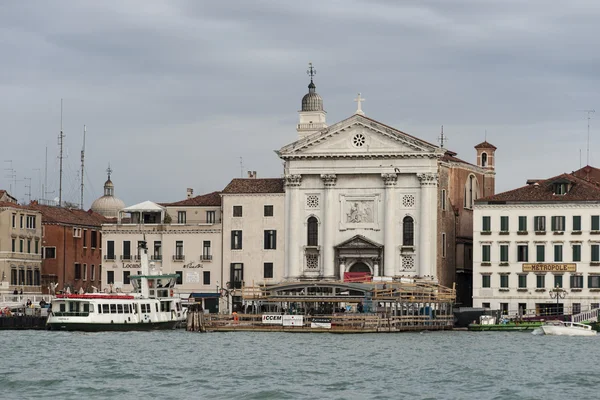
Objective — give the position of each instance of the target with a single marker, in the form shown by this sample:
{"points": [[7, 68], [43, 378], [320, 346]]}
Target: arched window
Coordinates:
{"points": [[471, 191], [313, 232], [484, 159], [408, 231]]}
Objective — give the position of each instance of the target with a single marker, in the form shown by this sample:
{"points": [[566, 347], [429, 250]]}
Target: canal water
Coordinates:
{"points": [[245, 365]]}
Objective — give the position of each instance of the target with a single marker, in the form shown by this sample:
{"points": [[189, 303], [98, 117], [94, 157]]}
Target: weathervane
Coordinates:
{"points": [[358, 100], [311, 71]]}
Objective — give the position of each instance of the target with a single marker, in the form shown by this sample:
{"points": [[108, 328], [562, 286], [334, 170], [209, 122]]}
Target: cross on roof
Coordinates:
{"points": [[109, 171], [358, 100], [442, 139]]}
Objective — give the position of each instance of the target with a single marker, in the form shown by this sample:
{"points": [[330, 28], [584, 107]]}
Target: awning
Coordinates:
{"points": [[204, 295]]}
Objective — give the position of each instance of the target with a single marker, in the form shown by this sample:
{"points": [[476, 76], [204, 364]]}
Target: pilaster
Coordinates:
{"points": [[293, 244], [329, 181], [389, 244], [428, 225]]}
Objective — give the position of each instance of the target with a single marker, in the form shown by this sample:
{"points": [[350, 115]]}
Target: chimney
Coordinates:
{"points": [[252, 174], [190, 193]]}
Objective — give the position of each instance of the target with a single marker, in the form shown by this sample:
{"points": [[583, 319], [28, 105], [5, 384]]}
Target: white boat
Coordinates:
{"points": [[150, 306], [560, 328]]}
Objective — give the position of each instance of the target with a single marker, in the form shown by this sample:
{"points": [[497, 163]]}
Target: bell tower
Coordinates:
{"points": [[312, 116], [486, 159]]}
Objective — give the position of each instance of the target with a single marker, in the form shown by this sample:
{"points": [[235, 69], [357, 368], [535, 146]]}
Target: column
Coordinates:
{"points": [[428, 226], [342, 268], [389, 225], [329, 219], [293, 242]]}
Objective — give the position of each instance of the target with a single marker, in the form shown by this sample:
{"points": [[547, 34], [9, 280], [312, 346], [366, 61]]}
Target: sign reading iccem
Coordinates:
{"points": [[541, 267], [272, 319]]}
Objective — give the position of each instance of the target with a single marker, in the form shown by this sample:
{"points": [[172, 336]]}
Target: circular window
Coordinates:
{"points": [[359, 140]]}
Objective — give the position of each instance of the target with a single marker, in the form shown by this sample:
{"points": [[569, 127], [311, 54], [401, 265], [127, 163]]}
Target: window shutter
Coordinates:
{"points": [[274, 240], [553, 223]]}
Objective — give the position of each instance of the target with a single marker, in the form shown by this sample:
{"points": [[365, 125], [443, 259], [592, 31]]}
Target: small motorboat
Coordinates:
{"points": [[561, 328]]}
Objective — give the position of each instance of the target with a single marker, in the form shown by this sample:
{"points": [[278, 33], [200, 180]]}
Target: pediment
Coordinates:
{"points": [[359, 136], [358, 242]]}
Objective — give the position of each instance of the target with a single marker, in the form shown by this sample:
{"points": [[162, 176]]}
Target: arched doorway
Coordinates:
{"points": [[360, 267]]}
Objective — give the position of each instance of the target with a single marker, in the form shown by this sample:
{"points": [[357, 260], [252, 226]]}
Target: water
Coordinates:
{"points": [[243, 365]]}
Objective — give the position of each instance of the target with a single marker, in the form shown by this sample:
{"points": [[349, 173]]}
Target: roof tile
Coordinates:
{"points": [[254, 185], [206, 200]]}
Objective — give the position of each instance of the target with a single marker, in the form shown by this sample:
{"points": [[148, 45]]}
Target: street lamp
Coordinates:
{"points": [[558, 294]]}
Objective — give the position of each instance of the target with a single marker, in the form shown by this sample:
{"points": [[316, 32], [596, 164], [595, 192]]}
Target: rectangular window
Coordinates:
{"points": [[36, 277], [157, 250], [49, 252], [539, 224], [14, 245], [558, 281], [443, 199], [84, 236], [522, 281], [540, 281], [594, 282], [504, 223], [486, 281], [85, 272], [94, 239], [237, 211], [29, 279], [595, 253], [206, 253], [522, 224], [30, 222], [21, 243], [21, 221], [179, 280], [576, 308], [179, 250], [77, 271], [504, 281], [485, 253], [522, 253], [268, 270], [14, 220], [576, 222], [206, 277], [126, 250], [110, 250], [236, 275], [270, 239], [236, 240], [486, 224], [576, 252], [210, 217], [181, 217], [504, 253], [268, 211], [558, 253], [29, 245], [92, 272], [126, 280], [443, 245], [13, 277], [596, 222], [37, 247], [558, 224]]}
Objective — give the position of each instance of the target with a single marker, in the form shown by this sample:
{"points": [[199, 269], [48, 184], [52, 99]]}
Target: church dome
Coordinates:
{"points": [[108, 205], [312, 101]]}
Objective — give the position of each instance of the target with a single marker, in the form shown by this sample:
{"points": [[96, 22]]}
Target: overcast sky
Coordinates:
{"points": [[174, 92]]}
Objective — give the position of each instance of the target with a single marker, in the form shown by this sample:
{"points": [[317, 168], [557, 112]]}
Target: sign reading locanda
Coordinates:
{"points": [[567, 267]]}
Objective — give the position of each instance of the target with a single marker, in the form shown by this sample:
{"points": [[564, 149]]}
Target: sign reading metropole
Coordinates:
{"points": [[542, 267], [272, 319], [323, 323]]}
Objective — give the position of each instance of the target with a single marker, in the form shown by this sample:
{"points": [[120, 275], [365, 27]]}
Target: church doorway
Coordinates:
{"points": [[360, 267]]}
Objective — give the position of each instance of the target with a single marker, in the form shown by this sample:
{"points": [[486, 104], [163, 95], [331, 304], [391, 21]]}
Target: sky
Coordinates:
{"points": [[177, 94]]}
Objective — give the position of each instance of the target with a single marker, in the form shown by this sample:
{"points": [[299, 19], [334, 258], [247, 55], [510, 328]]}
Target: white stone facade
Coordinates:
{"points": [[568, 258]]}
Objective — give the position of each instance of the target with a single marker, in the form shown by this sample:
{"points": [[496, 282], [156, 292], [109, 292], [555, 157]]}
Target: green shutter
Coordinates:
{"points": [[576, 252], [595, 253], [576, 222], [596, 222]]}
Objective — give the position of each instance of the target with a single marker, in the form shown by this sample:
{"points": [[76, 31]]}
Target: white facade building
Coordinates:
{"points": [[535, 242]]}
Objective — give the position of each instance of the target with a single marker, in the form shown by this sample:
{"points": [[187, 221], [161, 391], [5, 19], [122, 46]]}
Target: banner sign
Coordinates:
{"points": [[293, 320], [272, 319], [323, 323], [541, 267]]}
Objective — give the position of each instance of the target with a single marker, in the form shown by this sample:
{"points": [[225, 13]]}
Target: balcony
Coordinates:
{"points": [[179, 257], [156, 257], [109, 257], [206, 257], [126, 257]]}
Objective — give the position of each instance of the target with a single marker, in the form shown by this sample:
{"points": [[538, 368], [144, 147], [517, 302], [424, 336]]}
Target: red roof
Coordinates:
{"points": [[69, 216], [485, 145], [4, 204], [588, 173], [543, 191], [254, 185], [206, 200]]}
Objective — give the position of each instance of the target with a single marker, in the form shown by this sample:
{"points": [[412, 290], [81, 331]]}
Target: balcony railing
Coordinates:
{"points": [[126, 257], [178, 257], [109, 257], [206, 257], [156, 257]]}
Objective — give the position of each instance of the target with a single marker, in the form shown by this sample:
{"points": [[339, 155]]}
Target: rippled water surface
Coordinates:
{"points": [[242, 365]]}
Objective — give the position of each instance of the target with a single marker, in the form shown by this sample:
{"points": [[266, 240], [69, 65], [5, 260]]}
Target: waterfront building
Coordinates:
{"points": [[20, 248], [108, 205], [182, 237], [5, 197], [363, 198], [71, 248], [253, 234], [537, 242]]}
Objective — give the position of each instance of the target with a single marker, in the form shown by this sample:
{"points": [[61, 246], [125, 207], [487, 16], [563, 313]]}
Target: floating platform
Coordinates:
{"points": [[23, 322], [510, 326]]}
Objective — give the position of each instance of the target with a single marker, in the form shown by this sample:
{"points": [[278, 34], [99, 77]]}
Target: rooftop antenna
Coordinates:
{"points": [[12, 175], [241, 167], [28, 186], [442, 139], [45, 186], [39, 182], [588, 133], [82, 164], [61, 137]]}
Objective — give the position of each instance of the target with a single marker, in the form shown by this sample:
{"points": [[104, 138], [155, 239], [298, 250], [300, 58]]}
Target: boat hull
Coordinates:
{"points": [[100, 327], [553, 330]]}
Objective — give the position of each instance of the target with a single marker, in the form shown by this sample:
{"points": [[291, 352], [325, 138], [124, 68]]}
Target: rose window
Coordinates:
{"points": [[359, 140]]}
